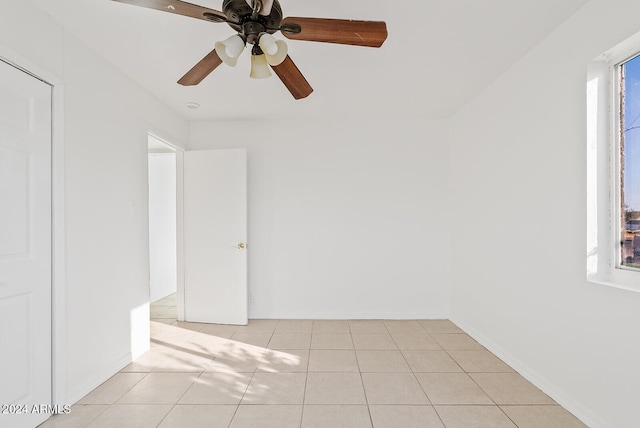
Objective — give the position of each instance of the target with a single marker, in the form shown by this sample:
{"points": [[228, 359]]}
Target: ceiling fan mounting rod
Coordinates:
{"points": [[240, 12]]}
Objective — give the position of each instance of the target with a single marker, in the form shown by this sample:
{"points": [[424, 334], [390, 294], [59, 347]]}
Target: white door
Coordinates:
{"points": [[25, 247], [215, 236]]}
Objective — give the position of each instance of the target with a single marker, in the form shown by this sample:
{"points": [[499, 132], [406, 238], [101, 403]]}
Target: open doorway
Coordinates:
{"points": [[206, 270], [163, 286]]}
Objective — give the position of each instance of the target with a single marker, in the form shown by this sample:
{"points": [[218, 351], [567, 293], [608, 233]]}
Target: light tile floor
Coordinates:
{"points": [[314, 374]]}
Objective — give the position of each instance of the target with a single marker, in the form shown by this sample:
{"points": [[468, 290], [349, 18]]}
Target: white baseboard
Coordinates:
{"points": [[98, 379], [349, 316], [587, 416]]}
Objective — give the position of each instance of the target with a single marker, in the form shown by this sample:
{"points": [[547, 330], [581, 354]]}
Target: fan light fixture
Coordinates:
{"points": [[259, 66], [266, 51], [274, 49], [230, 49]]}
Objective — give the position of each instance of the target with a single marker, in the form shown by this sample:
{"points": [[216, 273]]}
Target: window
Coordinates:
{"points": [[628, 112], [613, 167]]}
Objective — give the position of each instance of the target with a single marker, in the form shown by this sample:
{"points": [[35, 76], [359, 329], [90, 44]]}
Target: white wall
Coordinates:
{"points": [[518, 184], [347, 219], [162, 225], [106, 121]]}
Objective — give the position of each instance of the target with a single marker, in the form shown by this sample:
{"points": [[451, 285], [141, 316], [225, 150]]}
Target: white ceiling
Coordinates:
{"points": [[438, 55]]}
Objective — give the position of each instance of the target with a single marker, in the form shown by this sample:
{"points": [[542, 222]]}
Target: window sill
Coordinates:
{"points": [[620, 279]]}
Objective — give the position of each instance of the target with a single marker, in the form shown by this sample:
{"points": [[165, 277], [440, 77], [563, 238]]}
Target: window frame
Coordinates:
{"points": [[604, 210], [616, 158]]}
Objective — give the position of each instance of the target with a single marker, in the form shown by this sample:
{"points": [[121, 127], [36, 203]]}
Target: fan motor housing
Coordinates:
{"points": [[239, 17]]}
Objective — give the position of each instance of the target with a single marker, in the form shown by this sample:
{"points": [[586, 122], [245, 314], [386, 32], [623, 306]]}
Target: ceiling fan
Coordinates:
{"points": [[255, 21]]}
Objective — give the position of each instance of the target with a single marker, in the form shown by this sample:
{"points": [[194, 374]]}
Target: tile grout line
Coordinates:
{"points": [[364, 390], [474, 381], [422, 387], [252, 376], [183, 394], [306, 378], [407, 363]]}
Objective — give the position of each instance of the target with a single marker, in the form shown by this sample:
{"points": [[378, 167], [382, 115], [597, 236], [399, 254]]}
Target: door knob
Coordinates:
{"points": [[241, 246]]}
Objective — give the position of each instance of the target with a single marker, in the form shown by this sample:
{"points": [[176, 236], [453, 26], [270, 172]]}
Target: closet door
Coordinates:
{"points": [[25, 248]]}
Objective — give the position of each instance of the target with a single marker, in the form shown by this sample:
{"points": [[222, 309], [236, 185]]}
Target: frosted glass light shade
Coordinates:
{"points": [[275, 50], [259, 67], [230, 49]]}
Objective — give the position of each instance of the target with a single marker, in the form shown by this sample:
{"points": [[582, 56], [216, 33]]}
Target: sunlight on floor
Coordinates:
{"points": [[314, 374]]}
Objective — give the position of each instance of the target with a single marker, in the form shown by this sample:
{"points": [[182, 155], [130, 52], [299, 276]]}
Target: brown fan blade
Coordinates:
{"points": [[293, 79], [180, 8], [201, 69], [341, 31]]}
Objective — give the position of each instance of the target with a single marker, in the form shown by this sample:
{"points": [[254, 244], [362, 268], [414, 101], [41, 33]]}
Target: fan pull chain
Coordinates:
{"points": [[257, 7]]}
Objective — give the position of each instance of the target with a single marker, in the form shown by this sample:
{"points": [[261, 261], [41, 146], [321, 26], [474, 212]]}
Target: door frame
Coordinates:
{"points": [[58, 273], [179, 150]]}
